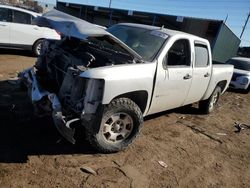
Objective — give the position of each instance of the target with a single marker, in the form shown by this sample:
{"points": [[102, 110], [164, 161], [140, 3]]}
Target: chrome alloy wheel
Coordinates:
{"points": [[118, 127]]}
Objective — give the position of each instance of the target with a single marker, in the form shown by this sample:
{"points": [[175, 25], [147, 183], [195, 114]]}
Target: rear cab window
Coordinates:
{"points": [[201, 54]]}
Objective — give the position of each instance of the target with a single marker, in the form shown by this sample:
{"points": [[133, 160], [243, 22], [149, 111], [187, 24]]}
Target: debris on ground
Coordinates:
{"points": [[182, 117], [163, 164], [34, 171], [240, 126], [221, 134], [88, 170]]}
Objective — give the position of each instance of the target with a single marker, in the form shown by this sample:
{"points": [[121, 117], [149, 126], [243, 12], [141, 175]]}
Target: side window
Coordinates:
{"points": [[21, 17], [201, 55], [5, 15], [179, 54]]}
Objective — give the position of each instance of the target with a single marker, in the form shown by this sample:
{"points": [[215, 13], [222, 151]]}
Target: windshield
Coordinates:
{"points": [[243, 65], [145, 42]]}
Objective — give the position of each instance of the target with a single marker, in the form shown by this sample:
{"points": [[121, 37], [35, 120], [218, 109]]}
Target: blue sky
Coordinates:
{"points": [[236, 10]]}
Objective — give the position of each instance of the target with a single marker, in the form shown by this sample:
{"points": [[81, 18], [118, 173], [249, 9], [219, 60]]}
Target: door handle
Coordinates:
{"points": [[187, 76], [3, 25], [35, 28], [206, 75]]}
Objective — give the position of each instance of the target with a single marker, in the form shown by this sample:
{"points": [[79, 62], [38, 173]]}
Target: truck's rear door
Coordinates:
{"points": [[201, 72]]}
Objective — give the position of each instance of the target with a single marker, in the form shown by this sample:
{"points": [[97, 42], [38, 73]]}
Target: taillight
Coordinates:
{"points": [[59, 33]]}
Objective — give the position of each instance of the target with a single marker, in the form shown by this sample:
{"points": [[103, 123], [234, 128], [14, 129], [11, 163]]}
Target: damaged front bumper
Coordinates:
{"points": [[38, 94]]}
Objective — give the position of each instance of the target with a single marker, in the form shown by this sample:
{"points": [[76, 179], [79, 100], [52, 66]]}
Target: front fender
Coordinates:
{"points": [[120, 79]]}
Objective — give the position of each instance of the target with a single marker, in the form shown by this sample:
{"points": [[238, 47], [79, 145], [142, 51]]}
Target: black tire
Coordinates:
{"points": [[247, 90], [207, 106], [98, 138], [37, 47]]}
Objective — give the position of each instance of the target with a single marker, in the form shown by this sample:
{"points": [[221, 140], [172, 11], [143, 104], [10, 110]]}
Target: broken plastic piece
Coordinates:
{"points": [[163, 164], [240, 126], [88, 170]]}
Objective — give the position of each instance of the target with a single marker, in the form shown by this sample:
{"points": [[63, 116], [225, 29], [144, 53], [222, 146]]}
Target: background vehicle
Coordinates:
{"points": [[241, 75], [109, 80], [17, 31]]}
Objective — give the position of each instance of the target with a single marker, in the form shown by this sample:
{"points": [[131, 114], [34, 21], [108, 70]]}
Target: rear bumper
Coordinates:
{"points": [[52, 106]]}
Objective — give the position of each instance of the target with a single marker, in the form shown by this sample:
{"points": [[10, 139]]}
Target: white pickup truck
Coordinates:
{"points": [[108, 80]]}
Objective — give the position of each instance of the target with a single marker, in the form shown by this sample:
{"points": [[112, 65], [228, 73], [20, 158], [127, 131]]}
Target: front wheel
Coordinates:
{"points": [[121, 122], [207, 106]]}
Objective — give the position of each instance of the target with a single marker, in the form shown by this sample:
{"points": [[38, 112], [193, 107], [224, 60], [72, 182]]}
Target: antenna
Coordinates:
{"points": [[226, 19], [244, 27]]}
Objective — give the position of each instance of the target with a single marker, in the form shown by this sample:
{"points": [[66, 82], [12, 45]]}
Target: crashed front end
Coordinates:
{"points": [[56, 83], [77, 99]]}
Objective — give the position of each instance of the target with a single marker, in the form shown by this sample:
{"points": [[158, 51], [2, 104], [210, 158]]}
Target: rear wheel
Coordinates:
{"points": [[207, 106], [121, 122], [37, 47]]}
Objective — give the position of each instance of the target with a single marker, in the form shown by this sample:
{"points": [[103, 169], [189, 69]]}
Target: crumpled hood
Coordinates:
{"points": [[69, 25], [74, 27]]}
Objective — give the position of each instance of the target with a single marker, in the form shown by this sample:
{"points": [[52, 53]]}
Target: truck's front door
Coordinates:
{"points": [[201, 73], [173, 77]]}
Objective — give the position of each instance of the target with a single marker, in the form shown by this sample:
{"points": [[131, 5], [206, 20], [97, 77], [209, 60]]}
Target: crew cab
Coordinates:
{"points": [[108, 80], [18, 32]]}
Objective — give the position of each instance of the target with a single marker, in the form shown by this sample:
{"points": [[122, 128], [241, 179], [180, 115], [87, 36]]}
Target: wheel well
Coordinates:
{"points": [[139, 97], [36, 42], [222, 85]]}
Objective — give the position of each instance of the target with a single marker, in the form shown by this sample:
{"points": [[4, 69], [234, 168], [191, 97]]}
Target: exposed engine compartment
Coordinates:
{"points": [[58, 56], [60, 63]]}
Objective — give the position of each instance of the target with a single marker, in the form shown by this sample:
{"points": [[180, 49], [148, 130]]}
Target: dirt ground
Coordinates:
{"points": [[198, 150]]}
